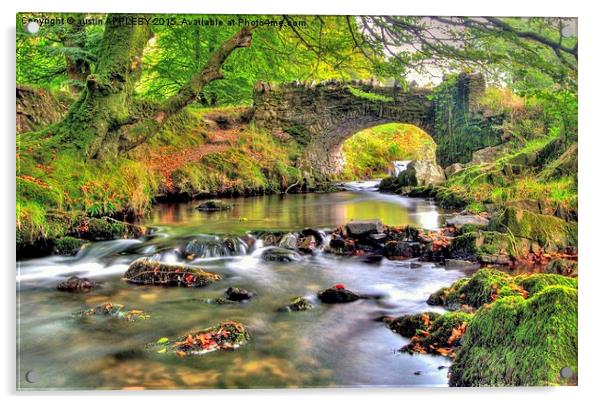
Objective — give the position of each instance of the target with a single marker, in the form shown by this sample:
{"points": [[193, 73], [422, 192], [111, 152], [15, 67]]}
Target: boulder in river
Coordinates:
{"points": [[277, 254], [147, 271], [214, 246], [75, 284], [359, 228], [402, 249], [338, 294], [289, 240], [297, 304], [307, 244], [421, 173], [225, 335], [318, 236], [214, 205], [238, 294]]}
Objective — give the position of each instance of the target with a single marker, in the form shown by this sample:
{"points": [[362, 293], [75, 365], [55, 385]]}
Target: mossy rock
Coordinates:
{"points": [[534, 283], [145, 271], [550, 232], [520, 342], [106, 228], [483, 287], [226, 335], [113, 310], [297, 304], [214, 205], [442, 327], [408, 325], [562, 267], [68, 245]]}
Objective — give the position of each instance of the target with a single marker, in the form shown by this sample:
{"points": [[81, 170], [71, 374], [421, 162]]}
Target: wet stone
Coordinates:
{"points": [[238, 294], [114, 310], [226, 335], [297, 304], [360, 228], [75, 284], [338, 294], [146, 271], [277, 254], [214, 205]]}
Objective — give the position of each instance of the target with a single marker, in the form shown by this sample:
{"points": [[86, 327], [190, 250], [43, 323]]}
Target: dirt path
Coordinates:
{"points": [[166, 161]]}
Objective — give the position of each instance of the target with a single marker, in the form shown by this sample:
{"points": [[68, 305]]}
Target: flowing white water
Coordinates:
{"points": [[400, 165]]}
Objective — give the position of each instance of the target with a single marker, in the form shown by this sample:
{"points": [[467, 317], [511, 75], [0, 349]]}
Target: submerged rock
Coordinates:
{"points": [[115, 311], [147, 271], [277, 254], [226, 335], [297, 304], [214, 205], [238, 294], [76, 284], [338, 294]]}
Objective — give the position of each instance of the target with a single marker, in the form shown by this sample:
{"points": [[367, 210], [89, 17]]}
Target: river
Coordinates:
{"points": [[330, 345]]}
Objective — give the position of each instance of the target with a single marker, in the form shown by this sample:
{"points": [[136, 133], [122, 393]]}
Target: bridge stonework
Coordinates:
{"points": [[322, 116]]}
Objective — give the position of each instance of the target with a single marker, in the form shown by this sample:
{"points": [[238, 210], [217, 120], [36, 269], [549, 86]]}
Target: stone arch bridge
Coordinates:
{"points": [[322, 116]]}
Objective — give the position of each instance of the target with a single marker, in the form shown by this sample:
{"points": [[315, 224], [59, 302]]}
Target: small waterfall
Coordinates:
{"points": [[214, 246], [399, 166]]}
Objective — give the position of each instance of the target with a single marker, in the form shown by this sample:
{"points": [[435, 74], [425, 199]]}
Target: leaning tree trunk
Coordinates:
{"points": [[107, 119]]}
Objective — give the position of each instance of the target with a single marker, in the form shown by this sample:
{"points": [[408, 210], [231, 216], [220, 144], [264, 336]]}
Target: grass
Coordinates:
{"points": [[50, 182], [370, 153], [368, 96]]}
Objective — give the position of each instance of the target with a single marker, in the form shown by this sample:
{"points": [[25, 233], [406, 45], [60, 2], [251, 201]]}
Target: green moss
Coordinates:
{"points": [[68, 245], [368, 96], [518, 342], [548, 231], [442, 327], [534, 283], [483, 287], [408, 325]]}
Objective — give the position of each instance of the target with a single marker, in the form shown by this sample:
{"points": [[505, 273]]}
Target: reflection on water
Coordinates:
{"points": [[296, 211], [331, 345]]}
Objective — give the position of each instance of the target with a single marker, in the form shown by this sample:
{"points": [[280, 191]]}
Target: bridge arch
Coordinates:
{"points": [[322, 116]]}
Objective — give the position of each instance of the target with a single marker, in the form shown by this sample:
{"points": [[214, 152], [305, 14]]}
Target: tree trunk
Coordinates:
{"points": [[77, 67], [107, 120]]}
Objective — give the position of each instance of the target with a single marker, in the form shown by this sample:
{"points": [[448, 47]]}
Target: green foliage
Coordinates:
{"points": [[371, 152]]}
